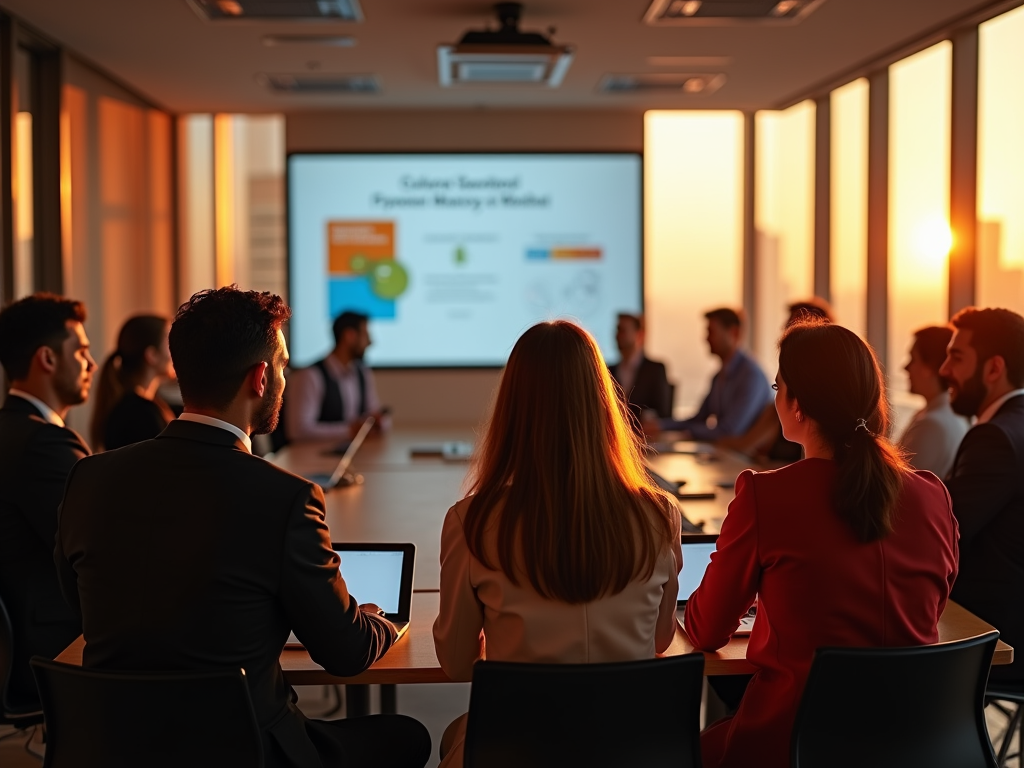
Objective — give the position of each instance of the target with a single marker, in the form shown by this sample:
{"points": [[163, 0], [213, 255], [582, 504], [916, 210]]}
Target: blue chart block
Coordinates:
{"points": [[354, 293], [538, 254]]}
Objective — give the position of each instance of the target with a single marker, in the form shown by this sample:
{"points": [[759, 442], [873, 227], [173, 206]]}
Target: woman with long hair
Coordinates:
{"points": [[848, 547], [126, 407], [564, 551]]}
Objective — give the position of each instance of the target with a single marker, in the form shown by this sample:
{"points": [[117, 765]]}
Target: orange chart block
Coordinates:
{"points": [[347, 239], [575, 253]]}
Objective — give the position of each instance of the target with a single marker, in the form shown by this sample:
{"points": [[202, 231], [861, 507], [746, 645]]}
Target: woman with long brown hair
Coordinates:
{"points": [[126, 407], [848, 547], [565, 551]]}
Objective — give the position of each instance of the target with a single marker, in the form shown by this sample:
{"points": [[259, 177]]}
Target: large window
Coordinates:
{"points": [[117, 224], [784, 215], [693, 178], [231, 169], [919, 236], [1001, 162], [849, 214], [23, 172]]}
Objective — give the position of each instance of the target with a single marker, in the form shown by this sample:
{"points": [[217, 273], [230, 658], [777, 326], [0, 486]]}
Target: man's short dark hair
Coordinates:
{"points": [[725, 317], [995, 332], [39, 320], [346, 320], [636, 320], [931, 343], [217, 336]]}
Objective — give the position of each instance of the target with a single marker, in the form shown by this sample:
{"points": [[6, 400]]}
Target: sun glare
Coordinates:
{"points": [[933, 240]]}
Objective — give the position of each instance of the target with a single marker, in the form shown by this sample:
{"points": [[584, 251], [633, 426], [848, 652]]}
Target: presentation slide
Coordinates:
{"points": [[454, 256]]}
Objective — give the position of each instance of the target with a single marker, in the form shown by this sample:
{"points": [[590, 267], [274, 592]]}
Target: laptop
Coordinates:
{"points": [[341, 477], [380, 574], [697, 551]]}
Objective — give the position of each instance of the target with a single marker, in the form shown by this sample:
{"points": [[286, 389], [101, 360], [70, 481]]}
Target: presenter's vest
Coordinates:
{"points": [[332, 408]]}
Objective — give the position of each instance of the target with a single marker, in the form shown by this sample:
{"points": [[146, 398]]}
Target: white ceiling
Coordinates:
{"points": [[166, 52]]}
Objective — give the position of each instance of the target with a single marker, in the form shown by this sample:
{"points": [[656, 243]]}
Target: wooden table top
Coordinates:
{"points": [[412, 659], [390, 451], [404, 498]]}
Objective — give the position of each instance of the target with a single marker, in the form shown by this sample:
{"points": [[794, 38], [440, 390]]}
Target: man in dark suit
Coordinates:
{"points": [[187, 552], [643, 381], [985, 367], [45, 355]]}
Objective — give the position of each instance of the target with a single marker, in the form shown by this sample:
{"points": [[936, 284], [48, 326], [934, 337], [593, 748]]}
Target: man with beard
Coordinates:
{"points": [[985, 369], [186, 552], [45, 355], [330, 399]]}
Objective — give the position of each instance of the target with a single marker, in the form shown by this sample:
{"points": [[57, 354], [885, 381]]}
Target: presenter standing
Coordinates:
{"points": [[330, 399]]}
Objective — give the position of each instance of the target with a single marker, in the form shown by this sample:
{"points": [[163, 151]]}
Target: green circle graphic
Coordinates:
{"points": [[359, 264], [388, 279]]}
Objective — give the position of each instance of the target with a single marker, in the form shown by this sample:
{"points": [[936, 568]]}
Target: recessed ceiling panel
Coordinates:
{"points": [[727, 12], [278, 10]]}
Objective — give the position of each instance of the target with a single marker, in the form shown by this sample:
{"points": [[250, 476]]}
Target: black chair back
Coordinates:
{"points": [[156, 719], [920, 706], [630, 713], [6, 655], [19, 716]]}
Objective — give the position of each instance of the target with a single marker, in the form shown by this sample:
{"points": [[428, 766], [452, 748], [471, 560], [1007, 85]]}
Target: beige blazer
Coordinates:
{"points": [[521, 625]]}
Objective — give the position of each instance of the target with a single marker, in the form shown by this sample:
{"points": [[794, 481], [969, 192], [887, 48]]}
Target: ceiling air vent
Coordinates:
{"points": [[505, 55], [328, 41], [320, 84], [727, 12], [278, 10], [663, 82]]}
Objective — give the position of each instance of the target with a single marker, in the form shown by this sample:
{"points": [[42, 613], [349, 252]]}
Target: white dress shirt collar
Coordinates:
{"points": [[993, 409], [198, 418], [47, 412]]}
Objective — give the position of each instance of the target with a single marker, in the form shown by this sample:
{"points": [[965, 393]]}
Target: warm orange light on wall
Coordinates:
{"points": [[224, 199]]}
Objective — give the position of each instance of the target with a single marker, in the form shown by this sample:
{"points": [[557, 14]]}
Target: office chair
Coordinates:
{"points": [[888, 707], [1003, 696], [19, 715], [156, 719], [546, 715]]}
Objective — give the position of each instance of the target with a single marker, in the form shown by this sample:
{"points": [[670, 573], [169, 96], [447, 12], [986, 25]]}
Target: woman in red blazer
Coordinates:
{"points": [[848, 547]]}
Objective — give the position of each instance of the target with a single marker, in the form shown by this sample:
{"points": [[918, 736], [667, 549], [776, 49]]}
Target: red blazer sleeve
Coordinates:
{"points": [[731, 581]]}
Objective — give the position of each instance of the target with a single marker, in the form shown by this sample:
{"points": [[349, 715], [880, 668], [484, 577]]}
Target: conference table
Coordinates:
{"points": [[406, 490]]}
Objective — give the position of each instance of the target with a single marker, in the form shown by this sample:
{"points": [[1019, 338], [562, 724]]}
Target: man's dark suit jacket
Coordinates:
{"points": [[187, 552], [987, 488], [35, 460], [650, 388]]}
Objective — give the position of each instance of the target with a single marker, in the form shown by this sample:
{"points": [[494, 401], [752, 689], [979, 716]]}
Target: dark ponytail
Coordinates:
{"points": [[138, 334], [838, 383]]}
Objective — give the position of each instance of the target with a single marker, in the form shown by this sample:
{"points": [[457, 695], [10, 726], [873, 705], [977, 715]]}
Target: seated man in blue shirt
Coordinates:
{"points": [[739, 391]]}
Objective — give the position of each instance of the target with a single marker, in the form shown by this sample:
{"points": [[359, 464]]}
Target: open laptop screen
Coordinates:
{"points": [[696, 559], [380, 574], [374, 576]]}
